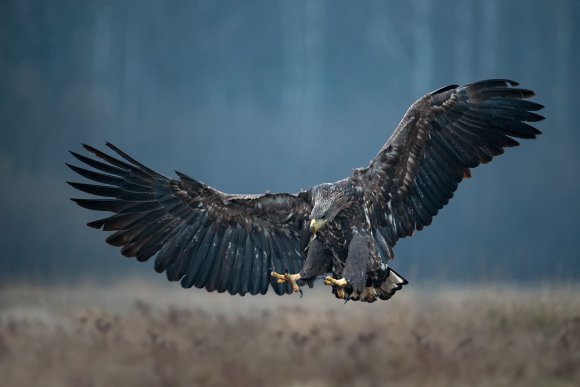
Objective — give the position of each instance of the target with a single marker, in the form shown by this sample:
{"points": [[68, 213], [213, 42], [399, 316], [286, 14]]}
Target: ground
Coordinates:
{"points": [[136, 334]]}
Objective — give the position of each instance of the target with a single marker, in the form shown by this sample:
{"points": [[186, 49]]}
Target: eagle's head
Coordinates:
{"points": [[329, 201]]}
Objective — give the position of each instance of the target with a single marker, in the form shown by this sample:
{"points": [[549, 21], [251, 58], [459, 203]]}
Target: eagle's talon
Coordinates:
{"points": [[339, 286], [288, 278], [341, 283]]}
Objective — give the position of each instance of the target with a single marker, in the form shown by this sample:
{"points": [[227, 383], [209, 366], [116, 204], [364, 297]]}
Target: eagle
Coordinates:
{"points": [[343, 232]]}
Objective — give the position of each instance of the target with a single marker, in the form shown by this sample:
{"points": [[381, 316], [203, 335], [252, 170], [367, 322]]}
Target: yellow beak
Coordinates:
{"points": [[315, 225]]}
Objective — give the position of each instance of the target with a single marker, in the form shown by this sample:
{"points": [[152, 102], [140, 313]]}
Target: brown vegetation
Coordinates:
{"points": [[136, 335]]}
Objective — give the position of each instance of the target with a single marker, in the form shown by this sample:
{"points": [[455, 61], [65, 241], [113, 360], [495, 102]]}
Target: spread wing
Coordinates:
{"points": [[439, 139], [201, 236]]}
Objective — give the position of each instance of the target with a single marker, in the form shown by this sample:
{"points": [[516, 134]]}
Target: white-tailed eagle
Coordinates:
{"points": [[345, 230]]}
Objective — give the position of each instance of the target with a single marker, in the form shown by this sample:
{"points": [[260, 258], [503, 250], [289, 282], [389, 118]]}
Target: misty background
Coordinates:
{"points": [[279, 96]]}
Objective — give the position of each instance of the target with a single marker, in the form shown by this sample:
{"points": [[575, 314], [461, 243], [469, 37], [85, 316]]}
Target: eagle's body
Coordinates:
{"points": [[345, 246], [248, 243]]}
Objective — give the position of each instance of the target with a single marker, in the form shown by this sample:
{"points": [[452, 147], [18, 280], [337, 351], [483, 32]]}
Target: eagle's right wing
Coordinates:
{"points": [[439, 139], [201, 236]]}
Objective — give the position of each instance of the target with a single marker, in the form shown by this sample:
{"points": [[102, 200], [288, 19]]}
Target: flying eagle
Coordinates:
{"points": [[344, 231]]}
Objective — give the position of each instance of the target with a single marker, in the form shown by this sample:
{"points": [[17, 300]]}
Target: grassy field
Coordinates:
{"points": [[141, 335]]}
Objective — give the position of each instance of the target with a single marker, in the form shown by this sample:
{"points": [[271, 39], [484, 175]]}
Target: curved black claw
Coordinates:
{"points": [[346, 297]]}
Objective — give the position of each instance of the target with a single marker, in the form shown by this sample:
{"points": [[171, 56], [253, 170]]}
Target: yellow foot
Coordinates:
{"points": [[339, 285], [288, 278]]}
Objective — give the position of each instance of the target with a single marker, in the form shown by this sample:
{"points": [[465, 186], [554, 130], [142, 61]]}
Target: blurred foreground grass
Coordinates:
{"points": [[134, 334]]}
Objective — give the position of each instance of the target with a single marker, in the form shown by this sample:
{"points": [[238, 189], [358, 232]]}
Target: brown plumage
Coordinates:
{"points": [[207, 238]]}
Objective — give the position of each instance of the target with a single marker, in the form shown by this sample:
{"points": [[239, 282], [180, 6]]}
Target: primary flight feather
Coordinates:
{"points": [[345, 230]]}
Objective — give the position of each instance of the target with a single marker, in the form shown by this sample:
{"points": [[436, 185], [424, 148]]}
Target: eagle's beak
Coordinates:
{"points": [[315, 225]]}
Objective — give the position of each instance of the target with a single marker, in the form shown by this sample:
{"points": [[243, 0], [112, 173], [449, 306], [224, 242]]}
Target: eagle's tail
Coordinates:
{"points": [[393, 282], [384, 290]]}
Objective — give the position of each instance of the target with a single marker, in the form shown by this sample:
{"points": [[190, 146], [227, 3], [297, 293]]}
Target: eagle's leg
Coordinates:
{"points": [[338, 284], [288, 278], [354, 268], [318, 261]]}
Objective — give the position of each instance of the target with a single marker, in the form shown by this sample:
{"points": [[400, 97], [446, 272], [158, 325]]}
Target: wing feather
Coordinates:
{"points": [[441, 137], [200, 236]]}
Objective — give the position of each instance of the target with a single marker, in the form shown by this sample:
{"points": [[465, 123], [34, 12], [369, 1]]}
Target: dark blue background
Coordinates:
{"points": [[282, 95]]}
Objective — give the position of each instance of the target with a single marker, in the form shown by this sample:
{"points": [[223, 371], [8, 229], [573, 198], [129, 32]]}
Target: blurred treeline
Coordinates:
{"points": [[281, 95]]}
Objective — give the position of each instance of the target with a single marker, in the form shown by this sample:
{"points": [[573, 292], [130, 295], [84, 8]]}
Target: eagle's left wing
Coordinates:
{"points": [[441, 137]]}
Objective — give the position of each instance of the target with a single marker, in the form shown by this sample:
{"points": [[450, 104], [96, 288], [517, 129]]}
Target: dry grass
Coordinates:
{"points": [[138, 335]]}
